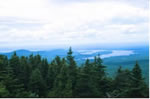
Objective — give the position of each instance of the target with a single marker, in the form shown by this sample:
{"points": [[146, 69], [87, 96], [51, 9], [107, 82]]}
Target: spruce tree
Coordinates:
{"points": [[26, 70], [14, 63], [37, 84], [72, 68], [100, 76], [85, 86], [138, 88], [44, 68], [137, 72], [4, 93], [13, 85], [121, 83], [52, 74], [62, 86]]}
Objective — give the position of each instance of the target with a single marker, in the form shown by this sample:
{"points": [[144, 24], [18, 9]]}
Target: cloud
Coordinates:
{"points": [[45, 22]]}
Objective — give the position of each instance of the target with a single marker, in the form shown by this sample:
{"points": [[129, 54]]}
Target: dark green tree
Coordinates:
{"points": [[86, 86], [137, 73], [138, 88], [62, 85], [121, 83], [25, 73], [13, 85], [14, 63], [100, 76], [3, 63], [72, 69], [52, 74], [3, 91], [37, 84], [44, 68]]}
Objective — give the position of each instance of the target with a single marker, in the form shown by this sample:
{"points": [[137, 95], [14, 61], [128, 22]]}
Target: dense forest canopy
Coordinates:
{"points": [[34, 76]]}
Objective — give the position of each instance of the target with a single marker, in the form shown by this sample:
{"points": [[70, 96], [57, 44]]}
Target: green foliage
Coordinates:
{"points": [[37, 84], [25, 72], [34, 77], [138, 87], [130, 83], [13, 85], [44, 69], [15, 64], [3, 91], [85, 87], [62, 84], [137, 72], [72, 69]]}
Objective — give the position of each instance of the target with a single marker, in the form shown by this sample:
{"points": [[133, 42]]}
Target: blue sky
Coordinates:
{"points": [[37, 24]]}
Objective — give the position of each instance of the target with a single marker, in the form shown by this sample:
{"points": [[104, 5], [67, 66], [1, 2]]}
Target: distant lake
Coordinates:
{"points": [[89, 52], [114, 53], [118, 53]]}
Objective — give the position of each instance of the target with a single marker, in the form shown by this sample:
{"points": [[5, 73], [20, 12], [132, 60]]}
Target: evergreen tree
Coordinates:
{"points": [[85, 86], [35, 61], [13, 85], [14, 63], [138, 88], [3, 91], [99, 68], [31, 61], [67, 92], [3, 67], [50, 77], [121, 83], [25, 72], [88, 67], [62, 85], [52, 73], [137, 73], [58, 64], [72, 68], [37, 84], [44, 68], [9, 80], [3, 63], [100, 76]]}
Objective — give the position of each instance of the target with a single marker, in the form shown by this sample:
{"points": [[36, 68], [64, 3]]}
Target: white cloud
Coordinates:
{"points": [[76, 23]]}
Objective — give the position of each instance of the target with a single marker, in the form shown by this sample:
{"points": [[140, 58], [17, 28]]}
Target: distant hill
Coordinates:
{"points": [[53, 53], [45, 54]]}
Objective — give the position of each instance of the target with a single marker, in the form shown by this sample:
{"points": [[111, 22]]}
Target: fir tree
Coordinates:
{"points": [[37, 84], [72, 68], [62, 86], [44, 68], [138, 88], [3, 91], [14, 63]]}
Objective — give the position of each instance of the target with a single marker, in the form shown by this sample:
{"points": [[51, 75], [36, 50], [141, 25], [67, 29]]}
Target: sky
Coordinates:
{"points": [[45, 24]]}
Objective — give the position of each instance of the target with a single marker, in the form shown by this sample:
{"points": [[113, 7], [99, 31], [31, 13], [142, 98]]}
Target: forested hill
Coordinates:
{"points": [[33, 76], [112, 58]]}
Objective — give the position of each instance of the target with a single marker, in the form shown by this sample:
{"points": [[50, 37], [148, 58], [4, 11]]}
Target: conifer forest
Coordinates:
{"points": [[33, 76]]}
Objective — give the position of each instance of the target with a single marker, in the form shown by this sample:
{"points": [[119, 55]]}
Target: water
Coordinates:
{"points": [[114, 53], [89, 52], [118, 53]]}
